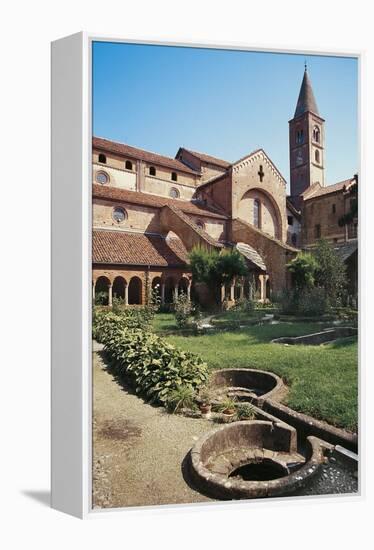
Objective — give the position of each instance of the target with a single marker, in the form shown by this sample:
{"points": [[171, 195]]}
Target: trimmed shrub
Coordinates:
{"points": [[156, 369]]}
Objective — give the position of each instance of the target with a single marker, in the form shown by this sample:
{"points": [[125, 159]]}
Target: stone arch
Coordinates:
{"points": [[102, 285], [270, 214], [119, 287], [156, 286], [183, 285], [169, 289], [135, 291]]}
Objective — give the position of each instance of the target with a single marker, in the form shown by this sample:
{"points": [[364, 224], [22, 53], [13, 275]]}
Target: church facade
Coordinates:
{"points": [[149, 211]]}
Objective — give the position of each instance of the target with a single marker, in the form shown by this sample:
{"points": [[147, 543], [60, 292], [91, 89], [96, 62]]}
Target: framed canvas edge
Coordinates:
{"points": [[84, 508]]}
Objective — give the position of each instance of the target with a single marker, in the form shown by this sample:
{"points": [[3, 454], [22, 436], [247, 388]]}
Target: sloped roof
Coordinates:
{"points": [[306, 101], [340, 186], [121, 247], [208, 158], [134, 152], [157, 201], [346, 250], [251, 254], [201, 232]]}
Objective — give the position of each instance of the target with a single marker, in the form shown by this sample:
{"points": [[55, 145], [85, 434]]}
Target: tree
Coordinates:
{"points": [[351, 216], [215, 269], [331, 272], [303, 269]]}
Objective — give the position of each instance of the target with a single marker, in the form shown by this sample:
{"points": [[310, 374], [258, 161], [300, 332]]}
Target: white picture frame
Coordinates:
{"points": [[71, 452]]}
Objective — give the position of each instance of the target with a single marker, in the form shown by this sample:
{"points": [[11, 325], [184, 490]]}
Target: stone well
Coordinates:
{"points": [[253, 459], [246, 384]]}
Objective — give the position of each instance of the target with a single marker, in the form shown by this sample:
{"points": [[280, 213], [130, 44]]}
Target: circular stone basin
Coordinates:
{"points": [[253, 459], [245, 384]]}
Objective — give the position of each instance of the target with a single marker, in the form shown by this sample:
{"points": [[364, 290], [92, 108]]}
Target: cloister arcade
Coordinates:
{"points": [[131, 288]]}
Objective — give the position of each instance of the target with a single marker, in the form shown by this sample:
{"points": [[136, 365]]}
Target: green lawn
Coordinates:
{"points": [[322, 379]]}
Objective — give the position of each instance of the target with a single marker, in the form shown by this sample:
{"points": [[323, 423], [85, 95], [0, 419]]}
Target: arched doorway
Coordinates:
{"points": [[102, 291], [156, 288], [169, 290], [119, 285], [183, 285], [135, 291]]}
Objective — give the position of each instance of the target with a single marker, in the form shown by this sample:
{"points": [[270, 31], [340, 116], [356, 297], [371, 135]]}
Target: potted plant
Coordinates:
{"points": [[205, 402], [227, 408], [181, 398], [245, 411]]}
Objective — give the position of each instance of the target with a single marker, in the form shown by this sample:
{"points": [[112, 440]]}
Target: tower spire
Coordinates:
{"points": [[306, 101]]}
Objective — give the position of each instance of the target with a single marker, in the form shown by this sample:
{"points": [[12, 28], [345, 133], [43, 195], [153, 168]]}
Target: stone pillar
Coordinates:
{"points": [[176, 292], [189, 292], [266, 278], [223, 293], [110, 295], [126, 294], [232, 292], [162, 293], [242, 290], [262, 285], [93, 291]]}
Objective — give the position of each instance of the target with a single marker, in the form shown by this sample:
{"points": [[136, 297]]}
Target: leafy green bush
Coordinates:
{"points": [[101, 298], [309, 302], [313, 302], [244, 305], [104, 321], [183, 310], [156, 369]]}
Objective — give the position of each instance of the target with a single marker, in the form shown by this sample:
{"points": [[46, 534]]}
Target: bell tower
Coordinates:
{"points": [[307, 141]]}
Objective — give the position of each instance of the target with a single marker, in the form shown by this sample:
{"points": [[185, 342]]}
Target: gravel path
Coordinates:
{"points": [[131, 467]]}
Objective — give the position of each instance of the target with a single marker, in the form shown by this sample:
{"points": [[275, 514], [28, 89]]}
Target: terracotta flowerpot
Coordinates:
{"points": [[205, 409], [228, 415]]}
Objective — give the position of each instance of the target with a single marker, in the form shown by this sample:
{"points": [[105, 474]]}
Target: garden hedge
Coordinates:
{"points": [[155, 367]]}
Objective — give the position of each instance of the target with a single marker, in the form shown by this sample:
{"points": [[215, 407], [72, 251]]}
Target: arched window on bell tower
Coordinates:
{"points": [[316, 134]]}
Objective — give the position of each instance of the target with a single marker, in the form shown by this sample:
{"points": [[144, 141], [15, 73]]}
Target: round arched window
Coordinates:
{"points": [[102, 177], [174, 193], [119, 214]]}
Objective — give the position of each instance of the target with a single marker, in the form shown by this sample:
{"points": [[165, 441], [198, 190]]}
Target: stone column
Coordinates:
{"points": [[110, 295], [262, 293], [176, 292], [189, 292], [223, 293], [93, 291], [162, 293], [265, 285], [242, 290], [232, 292], [126, 294]]}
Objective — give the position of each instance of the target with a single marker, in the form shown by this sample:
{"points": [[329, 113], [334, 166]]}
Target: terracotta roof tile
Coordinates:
{"points": [[121, 247], [208, 158], [330, 189], [146, 199], [140, 154]]}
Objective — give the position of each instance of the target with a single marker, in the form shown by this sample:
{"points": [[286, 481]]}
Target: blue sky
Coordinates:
{"points": [[223, 103]]}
